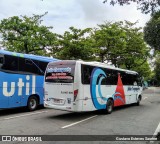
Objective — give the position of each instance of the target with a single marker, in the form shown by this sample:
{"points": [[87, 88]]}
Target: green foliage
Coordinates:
{"points": [[136, 49], [121, 44], [144, 70], [109, 41], [76, 44], [26, 34], [157, 70], [146, 6], [152, 31]]}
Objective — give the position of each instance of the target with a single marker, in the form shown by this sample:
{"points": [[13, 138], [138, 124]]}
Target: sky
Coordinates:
{"points": [[63, 14]]}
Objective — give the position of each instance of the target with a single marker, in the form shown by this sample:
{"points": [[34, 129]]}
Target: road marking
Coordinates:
{"points": [[79, 122], [156, 132], [145, 98], [25, 115]]}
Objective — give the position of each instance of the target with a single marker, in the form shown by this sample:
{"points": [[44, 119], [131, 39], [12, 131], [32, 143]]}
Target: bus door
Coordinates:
{"points": [[59, 83], [135, 89], [87, 102], [130, 85], [134, 95]]}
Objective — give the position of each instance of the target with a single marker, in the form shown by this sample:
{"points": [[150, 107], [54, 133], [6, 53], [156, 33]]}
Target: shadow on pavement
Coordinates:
{"points": [[69, 116], [5, 112]]}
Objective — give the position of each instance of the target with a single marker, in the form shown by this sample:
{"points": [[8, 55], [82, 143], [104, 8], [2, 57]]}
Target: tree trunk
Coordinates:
{"points": [[26, 47]]}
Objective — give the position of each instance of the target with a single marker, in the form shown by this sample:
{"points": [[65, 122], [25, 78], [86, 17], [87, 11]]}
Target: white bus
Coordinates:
{"points": [[87, 86]]}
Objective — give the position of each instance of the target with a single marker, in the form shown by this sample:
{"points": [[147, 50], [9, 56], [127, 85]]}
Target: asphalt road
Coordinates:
{"points": [[128, 120]]}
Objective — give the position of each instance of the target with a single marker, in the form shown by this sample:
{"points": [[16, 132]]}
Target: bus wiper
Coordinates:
{"points": [[37, 66]]}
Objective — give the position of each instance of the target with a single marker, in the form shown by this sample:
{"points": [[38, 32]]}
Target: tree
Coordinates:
{"points": [[146, 6], [26, 34], [75, 44], [157, 70], [136, 52], [121, 44], [109, 41], [152, 31]]}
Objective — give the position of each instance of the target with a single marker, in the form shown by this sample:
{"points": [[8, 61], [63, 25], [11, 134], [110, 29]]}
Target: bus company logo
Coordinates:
{"points": [[133, 89], [118, 97], [50, 70], [23, 84], [96, 73]]}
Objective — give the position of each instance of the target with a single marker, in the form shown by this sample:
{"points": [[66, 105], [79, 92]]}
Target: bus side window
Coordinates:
{"points": [[139, 80], [27, 66], [86, 73], [124, 78], [1, 61], [115, 77], [109, 79], [130, 79], [42, 66], [28, 62], [10, 63], [86, 76]]}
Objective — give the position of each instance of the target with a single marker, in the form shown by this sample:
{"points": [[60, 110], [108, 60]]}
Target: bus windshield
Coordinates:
{"points": [[60, 72]]}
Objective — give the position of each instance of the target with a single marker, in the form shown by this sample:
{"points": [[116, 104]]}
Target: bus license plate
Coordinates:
{"points": [[58, 101]]}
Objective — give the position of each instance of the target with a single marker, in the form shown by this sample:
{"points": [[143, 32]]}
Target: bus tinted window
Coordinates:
{"points": [[59, 72], [111, 79], [86, 71], [42, 66], [130, 79], [13, 64], [10, 63], [29, 66], [1, 60], [112, 76]]}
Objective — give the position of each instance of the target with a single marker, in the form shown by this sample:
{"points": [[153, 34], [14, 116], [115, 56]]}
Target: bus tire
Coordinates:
{"points": [[138, 101], [32, 103], [109, 106]]}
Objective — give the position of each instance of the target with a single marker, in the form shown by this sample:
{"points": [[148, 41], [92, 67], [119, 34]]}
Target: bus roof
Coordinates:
{"points": [[29, 56], [99, 64]]}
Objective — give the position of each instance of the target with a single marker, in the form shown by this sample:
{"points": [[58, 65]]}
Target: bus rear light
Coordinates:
{"points": [[75, 94]]}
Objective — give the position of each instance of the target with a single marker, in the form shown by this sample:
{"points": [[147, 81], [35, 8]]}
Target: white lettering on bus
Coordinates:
{"points": [[20, 85], [67, 69]]}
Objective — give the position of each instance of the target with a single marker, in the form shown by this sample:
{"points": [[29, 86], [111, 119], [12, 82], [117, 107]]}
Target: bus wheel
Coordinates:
{"points": [[109, 106], [138, 101], [32, 103]]}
